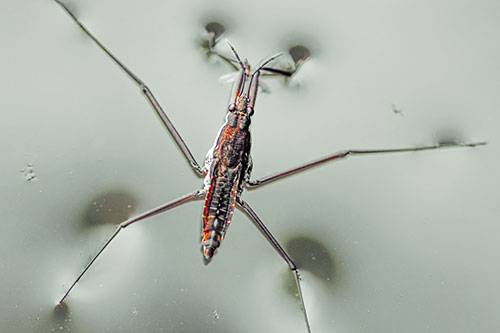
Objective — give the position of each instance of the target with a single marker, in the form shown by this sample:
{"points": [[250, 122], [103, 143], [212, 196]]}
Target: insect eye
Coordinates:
{"points": [[250, 110], [231, 107]]}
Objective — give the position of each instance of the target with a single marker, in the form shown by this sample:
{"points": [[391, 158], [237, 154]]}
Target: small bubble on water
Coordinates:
{"points": [[28, 172], [216, 315], [397, 110]]}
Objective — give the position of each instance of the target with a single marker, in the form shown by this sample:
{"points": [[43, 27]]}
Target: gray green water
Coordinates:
{"points": [[401, 243]]}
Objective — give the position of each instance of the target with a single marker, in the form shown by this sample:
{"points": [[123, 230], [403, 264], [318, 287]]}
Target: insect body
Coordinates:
{"points": [[228, 165]]}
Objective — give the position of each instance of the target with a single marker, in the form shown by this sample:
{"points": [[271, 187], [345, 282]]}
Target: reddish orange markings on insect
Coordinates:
{"points": [[206, 223]]}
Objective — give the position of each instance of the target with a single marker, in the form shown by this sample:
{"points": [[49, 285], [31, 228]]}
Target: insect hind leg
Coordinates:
{"points": [[277, 247]]}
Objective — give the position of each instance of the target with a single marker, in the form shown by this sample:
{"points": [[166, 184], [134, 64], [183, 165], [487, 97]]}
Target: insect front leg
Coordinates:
{"points": [[160, 209], [345, 153], [146, 91], [299, 55], [277, 247]]}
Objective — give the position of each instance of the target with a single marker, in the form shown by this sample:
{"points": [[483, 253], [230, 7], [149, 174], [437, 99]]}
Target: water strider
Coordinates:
{"points": [[228, 165]]}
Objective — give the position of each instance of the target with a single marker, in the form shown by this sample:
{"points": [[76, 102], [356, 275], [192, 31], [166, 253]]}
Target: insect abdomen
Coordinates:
{"points": [[219, 208]]}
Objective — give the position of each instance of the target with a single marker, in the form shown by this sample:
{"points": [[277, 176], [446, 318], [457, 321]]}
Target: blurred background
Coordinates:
{"points": [[388, 243]]}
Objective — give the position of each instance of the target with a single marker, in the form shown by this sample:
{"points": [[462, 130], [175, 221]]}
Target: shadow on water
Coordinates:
{"points": [[311, 255], [109, 207], [449, 137], [213, 33], [60, 319], [299, 53], [215, 28]]}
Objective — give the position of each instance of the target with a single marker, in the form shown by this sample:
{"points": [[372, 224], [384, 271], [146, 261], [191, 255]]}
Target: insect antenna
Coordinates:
{"points": [[235, 54], [254, 80], [266, 62]]}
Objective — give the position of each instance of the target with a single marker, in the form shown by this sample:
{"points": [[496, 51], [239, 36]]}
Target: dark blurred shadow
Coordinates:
{"points": [[215, 25], [310, 255], [448, 137], [299, 54], [60, 319], [215, 28], [110, 207], [211, 36], [60, 312], [300, 44]]}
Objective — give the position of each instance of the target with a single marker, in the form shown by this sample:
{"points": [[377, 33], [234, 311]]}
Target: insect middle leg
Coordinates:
{"points": [[146, 91], [277, 247], [345, 153], [160, 209]]}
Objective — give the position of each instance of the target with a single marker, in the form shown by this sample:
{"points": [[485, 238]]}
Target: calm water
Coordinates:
{"points": [[401, 243]]}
